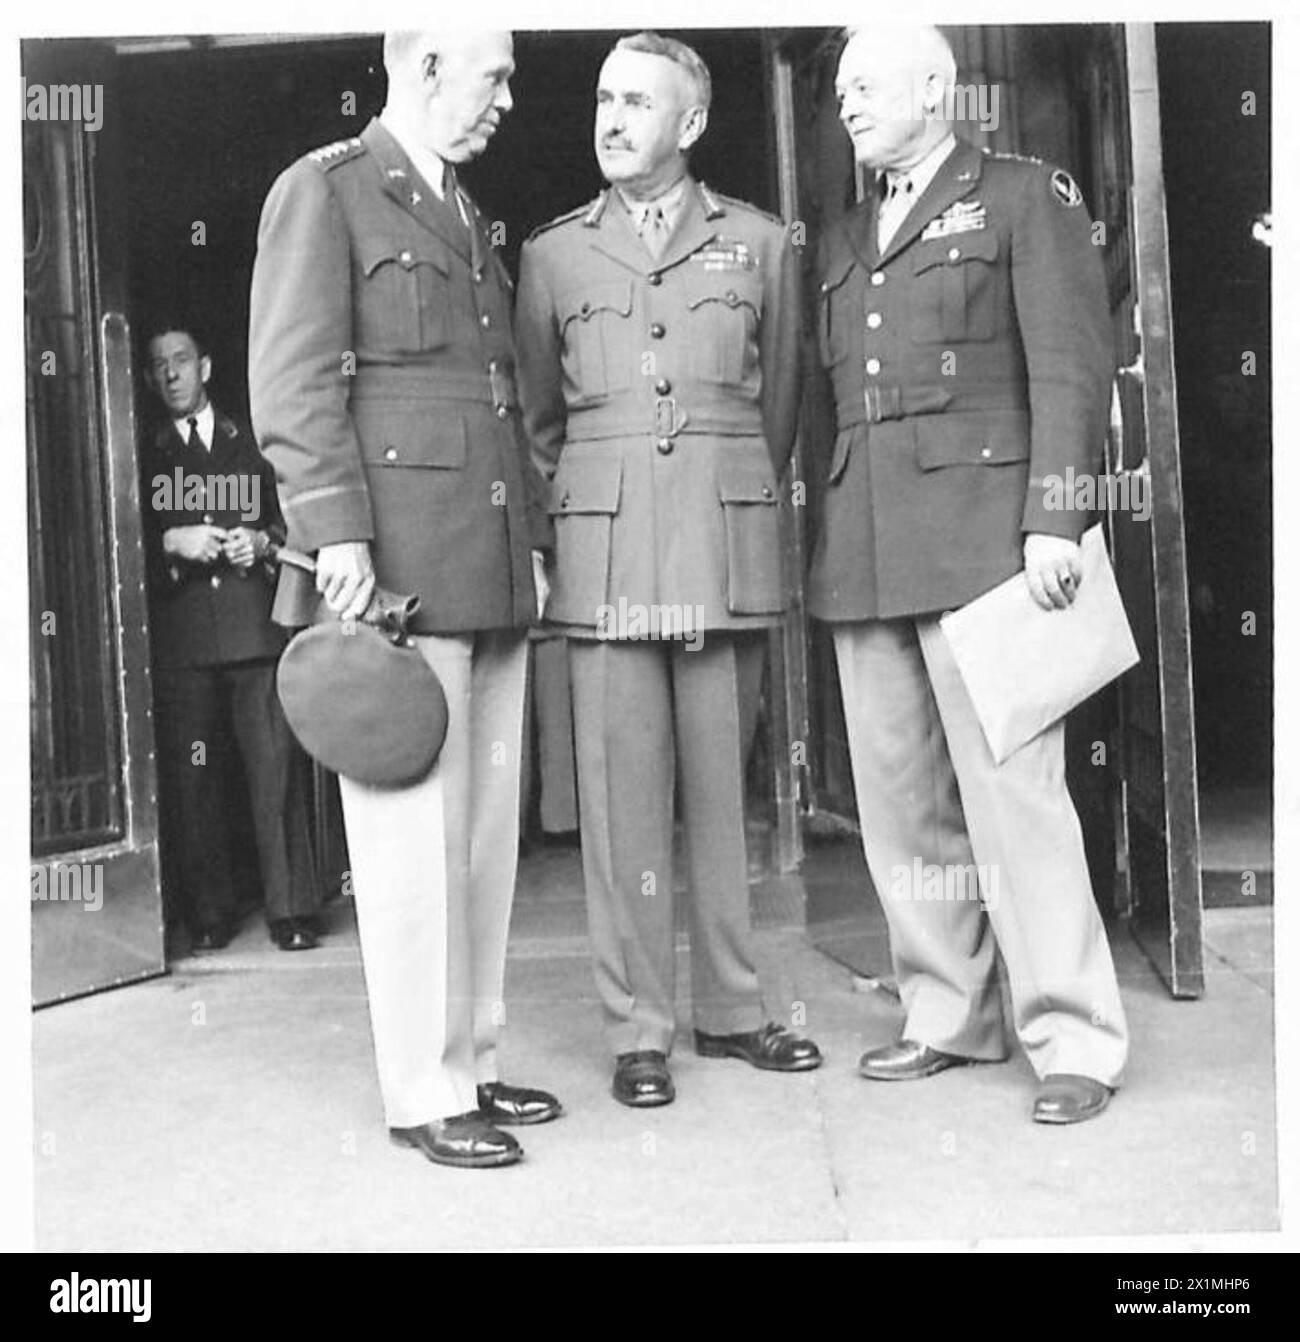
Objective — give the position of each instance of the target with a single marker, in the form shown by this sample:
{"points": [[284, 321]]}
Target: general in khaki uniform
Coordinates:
{"points": [[660, 382], [381, 371], [962, 319]]}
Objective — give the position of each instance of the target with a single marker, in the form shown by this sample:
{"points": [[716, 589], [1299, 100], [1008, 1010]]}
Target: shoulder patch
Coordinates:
{"points": [[566, 218], [1065, 189], [331, 155], [715, 200]]}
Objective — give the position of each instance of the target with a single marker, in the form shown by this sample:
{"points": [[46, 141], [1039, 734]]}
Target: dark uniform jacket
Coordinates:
{"points": [[968, 362], [208, 614], [381, 378], [662, 399]]}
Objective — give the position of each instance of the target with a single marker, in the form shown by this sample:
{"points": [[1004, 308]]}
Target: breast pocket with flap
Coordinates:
{"points": [[955, 287], [405, 297], [595, 323]]}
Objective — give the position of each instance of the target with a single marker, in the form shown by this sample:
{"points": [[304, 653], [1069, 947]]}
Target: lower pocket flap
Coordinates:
{"points": [[746, 482], [434, 439], [592, 485], [970, 440]]}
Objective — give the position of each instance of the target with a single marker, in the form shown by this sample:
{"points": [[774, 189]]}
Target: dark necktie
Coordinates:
{"points": [[194, 441], [454, 198]]}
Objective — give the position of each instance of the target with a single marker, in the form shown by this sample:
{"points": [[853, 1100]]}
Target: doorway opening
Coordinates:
{"points": [[1214, 103], [209, 127]]}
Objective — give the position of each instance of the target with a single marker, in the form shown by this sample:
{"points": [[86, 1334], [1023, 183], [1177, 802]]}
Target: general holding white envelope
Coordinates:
{"points": [[1025, 667]]}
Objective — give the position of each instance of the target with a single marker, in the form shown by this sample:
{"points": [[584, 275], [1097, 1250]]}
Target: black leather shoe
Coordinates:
{"points": [[467, 1141], [908, 1061], [212, 938], [1064, 1097], [642, 1079], [773, 1048], [294, 934], [499, 1103]]}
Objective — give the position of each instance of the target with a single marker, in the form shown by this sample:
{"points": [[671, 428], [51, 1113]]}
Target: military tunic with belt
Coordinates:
{"points": [[381, 373], [661, 394], [969, 358]]}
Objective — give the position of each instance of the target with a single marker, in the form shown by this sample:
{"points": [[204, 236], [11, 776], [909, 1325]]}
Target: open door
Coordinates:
{"points": [[96, 899], [1084, 96], [1158, 878]]}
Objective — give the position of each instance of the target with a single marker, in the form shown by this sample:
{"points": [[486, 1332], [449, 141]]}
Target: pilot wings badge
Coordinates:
{"points": [[962, 216]]}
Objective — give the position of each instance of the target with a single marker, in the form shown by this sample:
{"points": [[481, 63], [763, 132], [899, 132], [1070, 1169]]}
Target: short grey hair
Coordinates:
{"points": [[684, 57]]}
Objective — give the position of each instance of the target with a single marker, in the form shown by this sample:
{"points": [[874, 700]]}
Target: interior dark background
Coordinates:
{"points": [[209, 130]]}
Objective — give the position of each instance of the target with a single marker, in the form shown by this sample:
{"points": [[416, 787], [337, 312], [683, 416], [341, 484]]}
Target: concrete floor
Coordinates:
{"points": [[232, 1105]]}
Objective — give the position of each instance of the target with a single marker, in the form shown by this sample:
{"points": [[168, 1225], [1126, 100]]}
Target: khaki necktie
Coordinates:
{"points": [[898, 197], [654, 231]]}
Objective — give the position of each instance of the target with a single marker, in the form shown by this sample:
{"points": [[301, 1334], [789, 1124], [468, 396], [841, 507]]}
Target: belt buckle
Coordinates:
{"points": [[883, 403], [666, 422]]}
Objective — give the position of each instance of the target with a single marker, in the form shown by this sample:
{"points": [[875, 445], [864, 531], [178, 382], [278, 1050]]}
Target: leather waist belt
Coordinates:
{"points": [[879, 403], [664, 417], [494, 386]]}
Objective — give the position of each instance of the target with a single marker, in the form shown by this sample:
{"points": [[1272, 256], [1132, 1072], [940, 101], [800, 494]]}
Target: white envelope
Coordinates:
{"points": [[1025, 667]]}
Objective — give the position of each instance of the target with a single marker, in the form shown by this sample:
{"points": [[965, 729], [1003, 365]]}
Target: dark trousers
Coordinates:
{"points": [[202, 713]]}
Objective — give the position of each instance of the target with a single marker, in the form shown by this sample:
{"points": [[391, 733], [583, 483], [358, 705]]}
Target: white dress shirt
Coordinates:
{"points": [[207, 425], [904, 189]]}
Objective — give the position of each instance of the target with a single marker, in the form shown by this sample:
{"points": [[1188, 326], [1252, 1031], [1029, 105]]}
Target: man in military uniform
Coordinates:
{"points": [[963, 321], [658, 347], [210, 518], [382, 381]]}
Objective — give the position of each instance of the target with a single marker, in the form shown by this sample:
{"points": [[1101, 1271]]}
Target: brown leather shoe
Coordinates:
{"points": [[499, 1103], [467, 1141], [1065, 1097], [908, 1061], [773, 1048], [642, 1079]]}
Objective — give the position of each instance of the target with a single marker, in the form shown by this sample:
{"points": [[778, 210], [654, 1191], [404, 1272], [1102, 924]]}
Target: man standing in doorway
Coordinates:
{"points": [[382, 378], [210, 517], [658, 333], [963, 321]]}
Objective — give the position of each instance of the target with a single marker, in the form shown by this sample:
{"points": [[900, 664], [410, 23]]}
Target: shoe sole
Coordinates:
{"points": [[460, 1162], [919, 1076], [1061, 1120], [715, 1051], [648, 1102], [523, 1121]]}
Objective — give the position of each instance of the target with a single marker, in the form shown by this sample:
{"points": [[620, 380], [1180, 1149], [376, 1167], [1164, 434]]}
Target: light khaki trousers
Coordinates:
{"points": [[650, 717], [433, 876], [931, 802]]}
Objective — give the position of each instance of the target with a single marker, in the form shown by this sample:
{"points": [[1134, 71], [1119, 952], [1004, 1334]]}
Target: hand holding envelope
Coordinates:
{"points": [[1025, 667]]}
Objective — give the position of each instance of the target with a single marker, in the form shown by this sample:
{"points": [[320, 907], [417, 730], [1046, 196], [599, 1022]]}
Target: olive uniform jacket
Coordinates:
{"points": [[970, 363], [381, 378], [208, 614], [662, 398]]}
